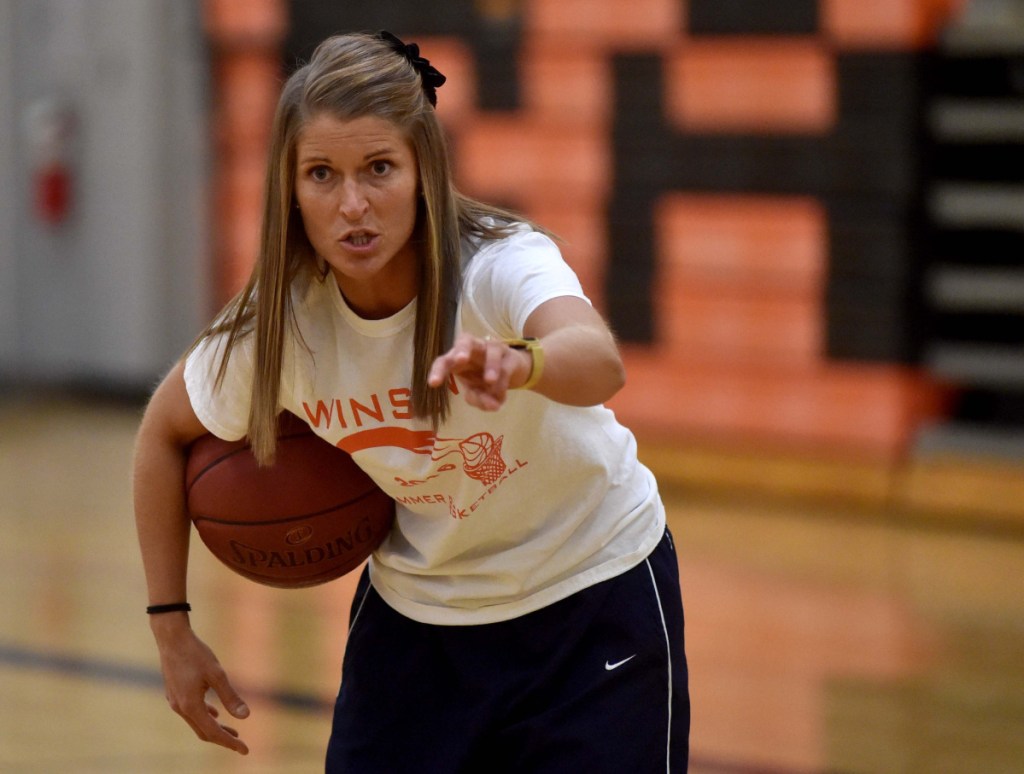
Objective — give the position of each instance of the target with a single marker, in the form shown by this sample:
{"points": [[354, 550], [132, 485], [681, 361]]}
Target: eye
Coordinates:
{"points": [[320, 173], [380, 167]]}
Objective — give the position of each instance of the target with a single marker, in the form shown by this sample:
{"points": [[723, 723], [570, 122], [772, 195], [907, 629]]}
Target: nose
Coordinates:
{"points": [[354, 204]]}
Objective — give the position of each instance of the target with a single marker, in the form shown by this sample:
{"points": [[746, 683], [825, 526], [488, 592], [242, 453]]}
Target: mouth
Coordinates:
{"points": [[359, 240]]}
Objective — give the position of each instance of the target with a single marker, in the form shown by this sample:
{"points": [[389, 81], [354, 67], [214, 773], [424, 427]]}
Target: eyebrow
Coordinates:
{"points": [[385, 150]]}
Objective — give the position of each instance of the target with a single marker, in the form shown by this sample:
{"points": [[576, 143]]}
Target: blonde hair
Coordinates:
{"points": [[350, 76]]}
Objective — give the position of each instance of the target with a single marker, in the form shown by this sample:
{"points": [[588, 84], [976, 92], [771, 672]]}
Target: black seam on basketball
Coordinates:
{"points": [[212, 464], [232, 453], [275, 581], [287, 519]]}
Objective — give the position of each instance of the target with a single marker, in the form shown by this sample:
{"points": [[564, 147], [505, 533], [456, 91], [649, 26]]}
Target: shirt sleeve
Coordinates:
{"points": [[518, 274], [222, 408]]}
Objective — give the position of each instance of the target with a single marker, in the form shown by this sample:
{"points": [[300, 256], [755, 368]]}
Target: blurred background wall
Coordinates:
{"points": [[802, 217], [104, 259]]}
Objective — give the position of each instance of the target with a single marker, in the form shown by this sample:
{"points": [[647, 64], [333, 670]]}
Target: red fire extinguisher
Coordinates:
{"points": [[51, 129]]}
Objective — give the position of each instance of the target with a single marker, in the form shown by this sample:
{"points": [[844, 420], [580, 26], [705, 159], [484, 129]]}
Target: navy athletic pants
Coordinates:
{"points": [[594, 683]]}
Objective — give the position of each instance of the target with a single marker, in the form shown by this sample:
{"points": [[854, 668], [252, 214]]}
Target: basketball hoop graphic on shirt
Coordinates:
{"points": [[481, 456]]}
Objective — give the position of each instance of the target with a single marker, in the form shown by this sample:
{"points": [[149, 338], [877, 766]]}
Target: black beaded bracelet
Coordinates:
{"points": [[173, 607]]}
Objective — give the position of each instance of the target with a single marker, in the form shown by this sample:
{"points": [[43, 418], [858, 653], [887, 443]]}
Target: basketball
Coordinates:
{"points": [[309, 518]]}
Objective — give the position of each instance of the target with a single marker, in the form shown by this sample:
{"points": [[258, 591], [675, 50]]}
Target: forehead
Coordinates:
{"points": [[325, 133]]}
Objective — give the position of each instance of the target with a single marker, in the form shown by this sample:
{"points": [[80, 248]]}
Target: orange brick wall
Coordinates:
{"points": [[245, 38]]}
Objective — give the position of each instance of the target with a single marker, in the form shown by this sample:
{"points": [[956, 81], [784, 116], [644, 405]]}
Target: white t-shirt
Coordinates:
{"points": [[498, 513]]}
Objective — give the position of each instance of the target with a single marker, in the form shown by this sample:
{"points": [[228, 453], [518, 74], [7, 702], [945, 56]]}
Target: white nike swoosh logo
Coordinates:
{"points": [[610, 666]]}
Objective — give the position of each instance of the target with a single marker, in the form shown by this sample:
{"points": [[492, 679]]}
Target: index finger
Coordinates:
{"points": [[440, 370], [444, 365]]}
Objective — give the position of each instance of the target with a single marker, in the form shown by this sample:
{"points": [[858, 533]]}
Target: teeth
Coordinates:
{"points": [[359, 240]]}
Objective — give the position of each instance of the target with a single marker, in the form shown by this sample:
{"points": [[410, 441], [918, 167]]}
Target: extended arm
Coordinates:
{"points": [[582, 366], [189, 667]]}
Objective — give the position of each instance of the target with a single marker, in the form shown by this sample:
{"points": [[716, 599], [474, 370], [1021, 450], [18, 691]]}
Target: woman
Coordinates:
{"points": [[524, 612]]}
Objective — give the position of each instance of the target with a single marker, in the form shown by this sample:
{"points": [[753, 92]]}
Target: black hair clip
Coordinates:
{"points": [[431, 77]]}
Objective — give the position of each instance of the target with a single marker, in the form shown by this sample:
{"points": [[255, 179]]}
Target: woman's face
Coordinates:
{"points": [[356, 183]]}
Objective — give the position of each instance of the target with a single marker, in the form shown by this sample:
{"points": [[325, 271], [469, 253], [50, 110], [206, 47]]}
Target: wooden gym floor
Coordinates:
{"points": [[824, 634]]}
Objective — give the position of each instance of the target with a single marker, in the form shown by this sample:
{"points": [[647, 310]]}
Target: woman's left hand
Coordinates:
{"points": [[486, 369]]}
